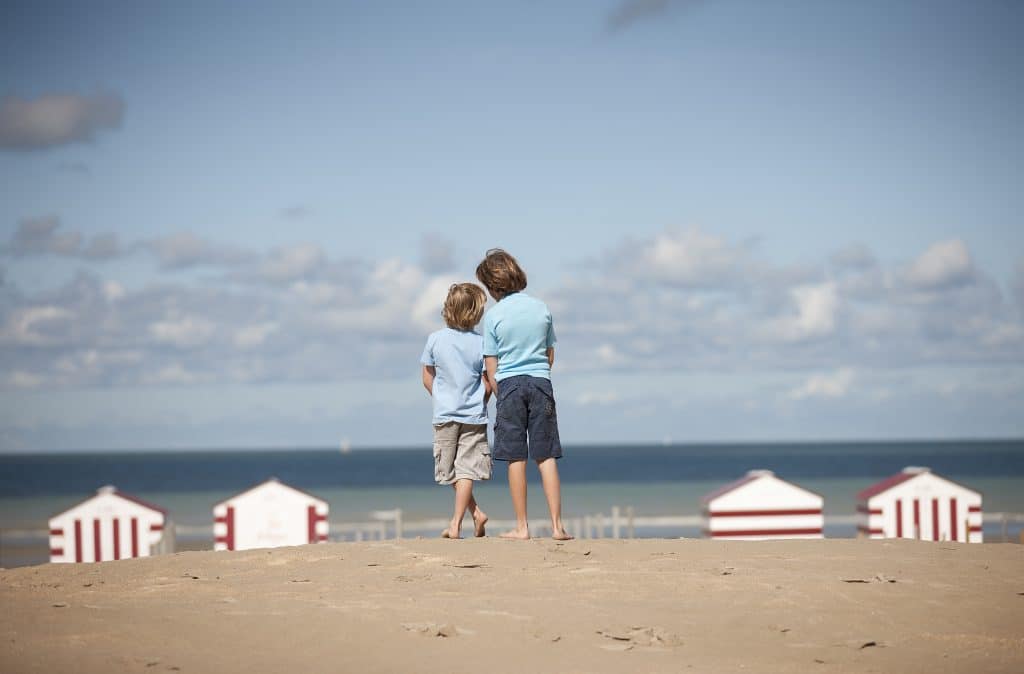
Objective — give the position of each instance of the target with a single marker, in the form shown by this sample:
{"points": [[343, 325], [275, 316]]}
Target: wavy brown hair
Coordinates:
{"points": [[464, 306], [500, 273]]}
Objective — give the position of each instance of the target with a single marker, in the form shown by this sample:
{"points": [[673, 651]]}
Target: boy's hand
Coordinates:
{"points": [[487, 387], [491, 371], [551, 357], [429, 371]]}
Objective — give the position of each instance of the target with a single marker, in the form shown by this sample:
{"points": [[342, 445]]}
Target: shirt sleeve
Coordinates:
{"points": [[551, 332], [428, 352], [490, 337]]}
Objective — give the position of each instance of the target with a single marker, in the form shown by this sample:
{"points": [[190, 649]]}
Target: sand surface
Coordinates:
{"points": [[488, 606]]}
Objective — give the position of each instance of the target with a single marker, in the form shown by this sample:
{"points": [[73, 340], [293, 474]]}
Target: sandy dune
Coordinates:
{"points": [[500, 606]]}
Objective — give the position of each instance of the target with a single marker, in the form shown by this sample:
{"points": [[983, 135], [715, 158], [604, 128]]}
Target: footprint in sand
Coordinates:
{"points": [[446, 630], [504, 614], [652, 638], [428, 559]]}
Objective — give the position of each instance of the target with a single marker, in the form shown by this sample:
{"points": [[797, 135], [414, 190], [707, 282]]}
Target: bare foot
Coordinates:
{"points": [[479, 520], [560, 535], [451, 532], [516, 534]]}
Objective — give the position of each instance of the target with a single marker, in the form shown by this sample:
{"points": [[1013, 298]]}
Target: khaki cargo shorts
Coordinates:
{"points": [[461, 452]]}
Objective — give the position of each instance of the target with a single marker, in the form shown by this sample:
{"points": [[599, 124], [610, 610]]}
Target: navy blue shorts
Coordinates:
{"points": [[526, 407]]}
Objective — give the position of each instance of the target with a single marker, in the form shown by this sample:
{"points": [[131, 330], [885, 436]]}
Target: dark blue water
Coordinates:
{"points": [[59, 474]]}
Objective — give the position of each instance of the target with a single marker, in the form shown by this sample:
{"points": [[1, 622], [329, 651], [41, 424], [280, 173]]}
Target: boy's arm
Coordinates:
{"points": [[491, 367], [428, 378], [551, 357], [487, 388]]}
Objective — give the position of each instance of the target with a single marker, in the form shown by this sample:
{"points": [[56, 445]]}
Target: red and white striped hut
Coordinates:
{"points": [[269, 515], [762, 506], [917, 503], [110, 525]]}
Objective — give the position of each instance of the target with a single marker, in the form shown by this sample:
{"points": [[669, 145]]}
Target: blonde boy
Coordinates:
{"points": [[453, 374]]}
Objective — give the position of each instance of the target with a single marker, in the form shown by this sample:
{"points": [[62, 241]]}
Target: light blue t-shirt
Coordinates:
{"points": [[518, 330], [458, 390]]}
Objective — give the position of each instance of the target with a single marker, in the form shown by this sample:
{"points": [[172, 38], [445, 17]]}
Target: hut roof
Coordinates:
{"points": [[751, 476], [272, 480], [109, 489], [908, 473]]}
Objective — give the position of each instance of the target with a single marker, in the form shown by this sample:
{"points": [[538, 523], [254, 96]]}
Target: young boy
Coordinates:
{"points": [[519, 350], [453, 376]]}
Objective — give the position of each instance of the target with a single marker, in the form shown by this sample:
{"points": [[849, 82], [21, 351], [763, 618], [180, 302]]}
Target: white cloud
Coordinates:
{"points": [[20, 379], [816, 307], [690, 258], [173, 374], [291, 263], [426, 308], [44, 236], [32, 325], [113, 291], [855, 256], [943, 264], [834, 385], [185, 249], [36, 236], [606, 354], [251, 336], [56, 119], [1004, 334], [591, 398], [184, 332], [103, 247], [322, 292], [1017, 286], [679, 301]]}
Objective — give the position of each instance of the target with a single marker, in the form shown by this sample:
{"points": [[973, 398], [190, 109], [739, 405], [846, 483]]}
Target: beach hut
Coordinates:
{"points": [[762, 506], [110, 525], [269, 515], [917, 503]]}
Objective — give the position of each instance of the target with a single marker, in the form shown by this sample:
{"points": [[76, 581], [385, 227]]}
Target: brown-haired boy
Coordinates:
{"points": [[453, 376], [519, 350]]}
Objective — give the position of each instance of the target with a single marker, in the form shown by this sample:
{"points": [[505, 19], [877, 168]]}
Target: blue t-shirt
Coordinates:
{"points": [[518, 330], [458, 390]]}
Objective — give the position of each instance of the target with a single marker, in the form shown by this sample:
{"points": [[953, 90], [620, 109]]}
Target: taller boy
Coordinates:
{"points": [[519, 350]]}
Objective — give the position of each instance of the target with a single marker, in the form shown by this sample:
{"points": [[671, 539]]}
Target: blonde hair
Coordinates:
{"points": [[464, 306], [500, 273]]}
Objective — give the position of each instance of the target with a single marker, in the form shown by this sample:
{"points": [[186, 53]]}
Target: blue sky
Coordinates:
{"points": [[228, 225]]}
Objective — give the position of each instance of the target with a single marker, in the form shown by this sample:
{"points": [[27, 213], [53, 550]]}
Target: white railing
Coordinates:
{"points": [[390, 524]]}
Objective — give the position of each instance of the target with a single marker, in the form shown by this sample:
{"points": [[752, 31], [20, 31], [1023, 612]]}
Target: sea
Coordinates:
{"points": [[648, 480]]}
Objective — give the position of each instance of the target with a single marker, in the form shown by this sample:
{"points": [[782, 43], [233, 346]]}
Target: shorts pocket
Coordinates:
{"points": [[444, 453], [505, 388], [439, 472], [547, 399]]}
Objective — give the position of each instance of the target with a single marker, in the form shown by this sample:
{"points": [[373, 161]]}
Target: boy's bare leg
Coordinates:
{"points": [[517, 489], [479, 517], [463, 495], [553, 492]]}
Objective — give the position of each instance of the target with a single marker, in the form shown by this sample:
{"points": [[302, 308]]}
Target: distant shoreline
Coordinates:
{"points": [[584, 446]]}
